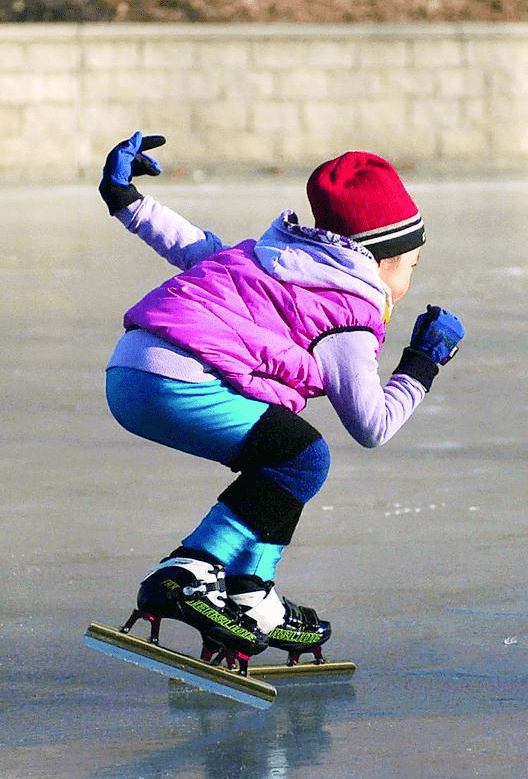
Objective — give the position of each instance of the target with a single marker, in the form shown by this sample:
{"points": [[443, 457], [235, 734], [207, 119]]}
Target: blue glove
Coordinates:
{"points": [[125, 161], [437, 334]]}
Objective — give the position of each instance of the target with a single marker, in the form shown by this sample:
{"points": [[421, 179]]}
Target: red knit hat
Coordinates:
{"points": [[361, 196]]}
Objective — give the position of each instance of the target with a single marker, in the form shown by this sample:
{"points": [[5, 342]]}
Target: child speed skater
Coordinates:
{"points": [[219, 360]]}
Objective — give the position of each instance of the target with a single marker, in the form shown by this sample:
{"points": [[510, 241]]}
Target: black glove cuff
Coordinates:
{"points": [[117, 197], [418, 366]]}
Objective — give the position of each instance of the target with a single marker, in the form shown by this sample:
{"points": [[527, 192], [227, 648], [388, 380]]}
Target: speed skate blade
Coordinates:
{"points": [[330, 670], [331, 673], [209, 678]]}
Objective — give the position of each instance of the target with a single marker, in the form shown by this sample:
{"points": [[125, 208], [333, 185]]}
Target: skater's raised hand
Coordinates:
{"points": [[437, 334], [123, 163], [127, 159]]}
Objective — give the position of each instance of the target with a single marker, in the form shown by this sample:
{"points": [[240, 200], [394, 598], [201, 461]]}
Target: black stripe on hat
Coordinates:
{"points": [[395, 239]]}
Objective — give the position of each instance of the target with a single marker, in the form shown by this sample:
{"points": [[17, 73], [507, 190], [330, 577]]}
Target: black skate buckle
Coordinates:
{"points": [[202, 589], [193, 593]]}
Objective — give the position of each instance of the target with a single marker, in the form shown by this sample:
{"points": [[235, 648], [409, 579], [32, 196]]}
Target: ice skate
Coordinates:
{"points": [[233, 629], [193, 591], [295, 629]]}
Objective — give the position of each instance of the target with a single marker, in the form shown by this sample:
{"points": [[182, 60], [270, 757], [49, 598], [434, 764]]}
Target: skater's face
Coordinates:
{"points": [[396, 272]]}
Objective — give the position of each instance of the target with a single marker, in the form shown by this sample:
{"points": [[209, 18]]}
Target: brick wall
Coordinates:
{"points": [[232, 98]]}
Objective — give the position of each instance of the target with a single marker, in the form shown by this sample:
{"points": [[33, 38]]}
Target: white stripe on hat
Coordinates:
{"points": [[393, 235], [390, 232]]}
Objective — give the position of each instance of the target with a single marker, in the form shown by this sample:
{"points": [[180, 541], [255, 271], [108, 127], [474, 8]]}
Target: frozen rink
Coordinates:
{"points": [[417, 552]]}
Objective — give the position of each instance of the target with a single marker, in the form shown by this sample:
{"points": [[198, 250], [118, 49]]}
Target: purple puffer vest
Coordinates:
{"points": [[255, 330]]}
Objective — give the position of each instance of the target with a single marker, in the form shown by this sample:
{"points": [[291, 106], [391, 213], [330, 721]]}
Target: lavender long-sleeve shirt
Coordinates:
{"points": [[371, 412]]}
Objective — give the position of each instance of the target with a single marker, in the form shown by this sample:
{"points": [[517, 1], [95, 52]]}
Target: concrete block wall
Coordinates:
{"points": [[233, 98]]}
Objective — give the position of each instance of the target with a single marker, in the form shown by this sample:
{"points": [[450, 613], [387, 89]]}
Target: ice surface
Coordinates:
{"points": [[417, 552]]}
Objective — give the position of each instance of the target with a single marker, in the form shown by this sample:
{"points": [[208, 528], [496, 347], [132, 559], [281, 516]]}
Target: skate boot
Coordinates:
{"points": [[192, 590], [296, 629]]}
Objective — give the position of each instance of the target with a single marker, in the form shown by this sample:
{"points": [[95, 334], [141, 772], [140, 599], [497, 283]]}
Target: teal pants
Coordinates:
{"points": [[212, 420]]}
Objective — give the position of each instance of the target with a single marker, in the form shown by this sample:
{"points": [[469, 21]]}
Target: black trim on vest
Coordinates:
{"points": [[349, 329], [264, 506]]}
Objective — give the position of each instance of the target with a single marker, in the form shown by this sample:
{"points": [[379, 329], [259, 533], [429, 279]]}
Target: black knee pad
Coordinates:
{"points": [[264, 506], [261, 503], [278, 436]]}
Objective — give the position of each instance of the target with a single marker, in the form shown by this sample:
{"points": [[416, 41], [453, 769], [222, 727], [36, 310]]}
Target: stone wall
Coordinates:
{"points": [[249, 97]]}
